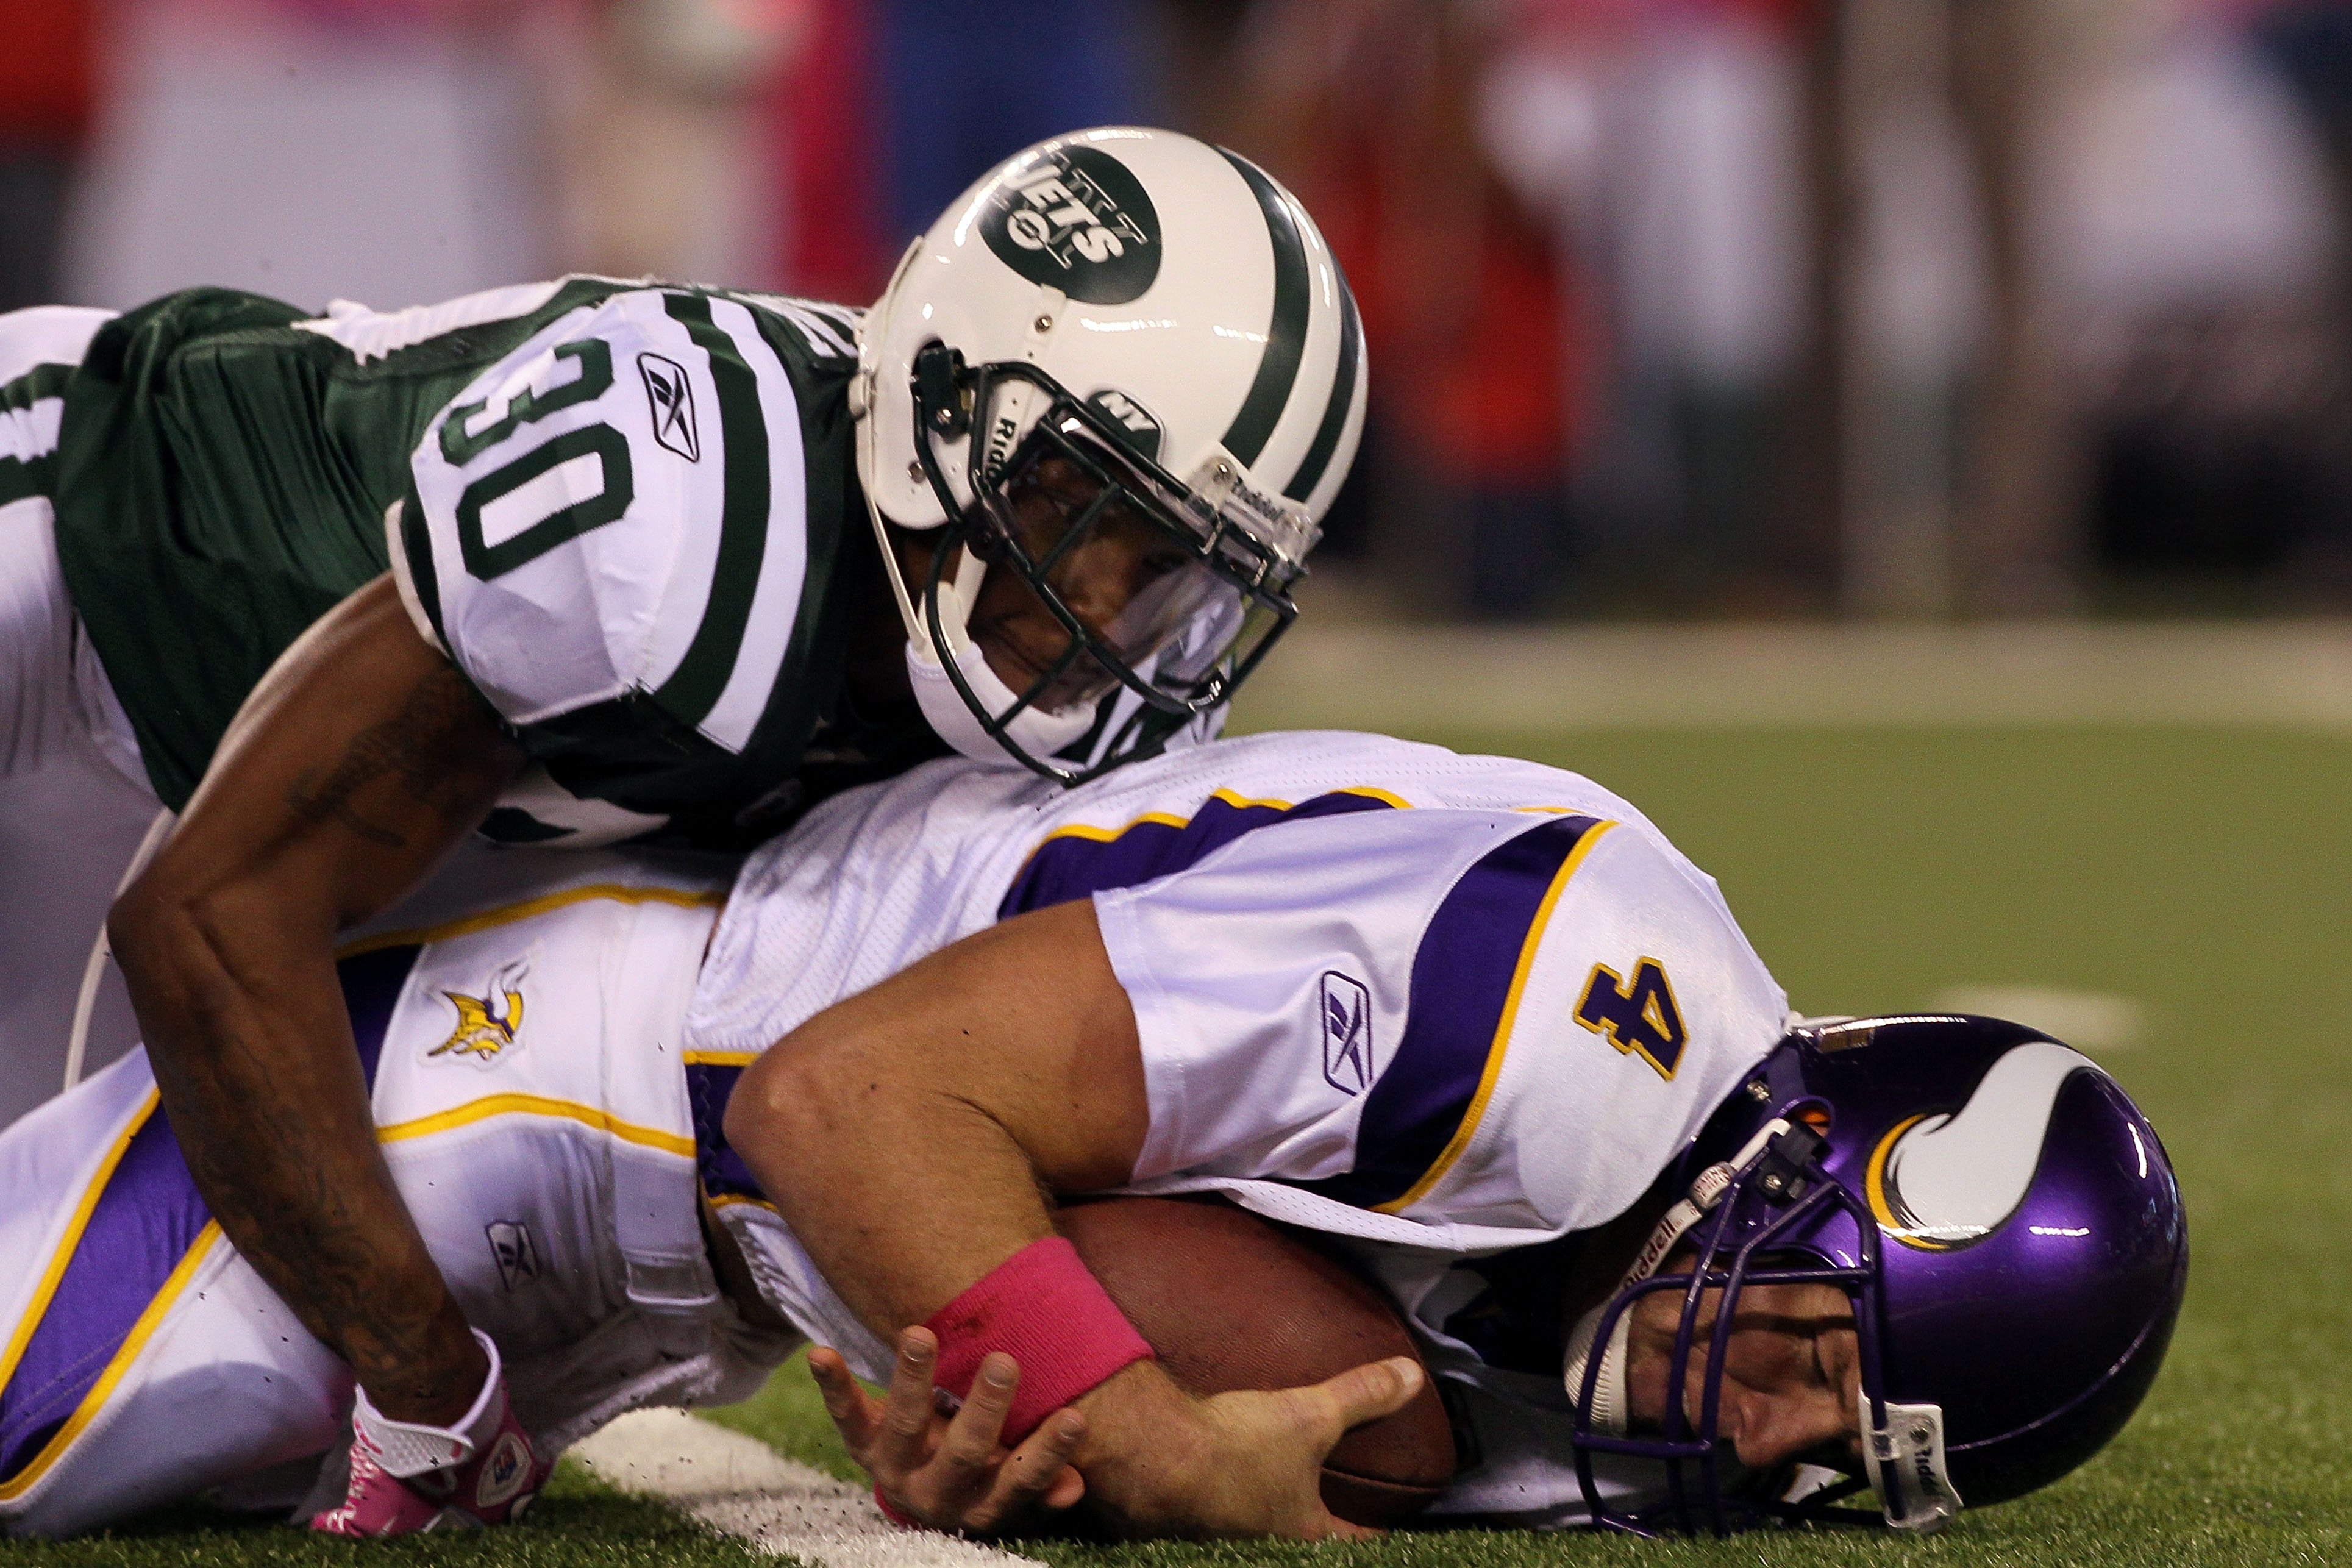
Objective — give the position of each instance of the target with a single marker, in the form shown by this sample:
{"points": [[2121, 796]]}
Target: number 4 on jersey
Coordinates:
{"points": [[1641, 1018]]}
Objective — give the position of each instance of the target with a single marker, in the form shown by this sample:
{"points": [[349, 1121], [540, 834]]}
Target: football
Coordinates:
{"points": [[1230, 1300]]}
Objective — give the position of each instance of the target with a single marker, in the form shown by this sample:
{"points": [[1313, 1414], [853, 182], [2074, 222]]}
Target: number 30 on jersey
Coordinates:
{"points": [[1641, 1018]]}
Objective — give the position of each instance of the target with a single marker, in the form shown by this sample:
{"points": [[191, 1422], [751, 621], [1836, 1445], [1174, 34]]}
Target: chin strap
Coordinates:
{"points": [[1608, 1413], [944, 708]]}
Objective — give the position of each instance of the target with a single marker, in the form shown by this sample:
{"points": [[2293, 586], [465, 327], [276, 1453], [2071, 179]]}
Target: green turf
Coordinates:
{"points": [[578, 1522], [2203, 874], [789, 1416]]}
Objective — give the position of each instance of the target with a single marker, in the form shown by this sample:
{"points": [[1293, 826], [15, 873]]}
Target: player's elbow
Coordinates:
{"points": [[184, 945], [147, 921], [800, 1094]]}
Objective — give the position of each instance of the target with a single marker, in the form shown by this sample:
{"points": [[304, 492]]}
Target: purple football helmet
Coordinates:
{"points": [[2002, 1216]]}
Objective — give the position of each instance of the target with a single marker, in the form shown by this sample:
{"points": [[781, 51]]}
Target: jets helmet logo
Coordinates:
{"points": [[1347, 1033], [1077, 218], [488, 1024], [671, 396]]}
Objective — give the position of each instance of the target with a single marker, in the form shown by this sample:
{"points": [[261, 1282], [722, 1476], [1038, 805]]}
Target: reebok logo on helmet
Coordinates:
{"points": [[1077, 219]]}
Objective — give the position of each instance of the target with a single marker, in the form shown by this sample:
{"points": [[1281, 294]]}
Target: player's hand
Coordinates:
{"points": [[1160, 1462], [950, 1473]]}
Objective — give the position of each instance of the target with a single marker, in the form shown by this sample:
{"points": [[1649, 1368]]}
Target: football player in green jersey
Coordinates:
{"points": [[588, 561]]}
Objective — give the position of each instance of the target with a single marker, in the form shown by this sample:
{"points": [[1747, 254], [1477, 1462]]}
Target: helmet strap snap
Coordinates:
{"points": [[1906, 1461]]}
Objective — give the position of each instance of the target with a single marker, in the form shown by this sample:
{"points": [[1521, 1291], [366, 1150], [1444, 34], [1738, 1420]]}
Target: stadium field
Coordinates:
{"points": [[2173, 898]]}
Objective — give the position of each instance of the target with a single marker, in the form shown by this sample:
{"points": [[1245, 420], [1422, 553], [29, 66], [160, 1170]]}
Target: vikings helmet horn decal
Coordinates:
{"points": [[1938, 1182]]}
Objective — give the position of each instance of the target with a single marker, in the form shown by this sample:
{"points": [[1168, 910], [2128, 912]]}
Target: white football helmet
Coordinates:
{"points": [[1163, 318]]}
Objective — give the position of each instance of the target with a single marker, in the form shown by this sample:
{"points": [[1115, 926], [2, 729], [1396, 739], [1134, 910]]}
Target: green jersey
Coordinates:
{"points": [[625, 511]]}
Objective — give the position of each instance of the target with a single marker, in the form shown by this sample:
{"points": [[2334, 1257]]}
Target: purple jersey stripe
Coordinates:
{"points": [[1461, 983], [141, 1225], [372, 983], [1076, 866], [723, 1172]]}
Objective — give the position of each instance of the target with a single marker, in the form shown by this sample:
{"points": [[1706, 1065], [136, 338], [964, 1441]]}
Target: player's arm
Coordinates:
{"points": [[911, 1135], [355, 764]]}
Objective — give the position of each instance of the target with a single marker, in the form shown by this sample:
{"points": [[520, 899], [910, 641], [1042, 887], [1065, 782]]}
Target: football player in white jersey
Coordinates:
{"points": [[1474, 1019], [598, 558]]}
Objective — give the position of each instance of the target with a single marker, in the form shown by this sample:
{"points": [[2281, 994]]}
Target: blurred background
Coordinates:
{"points": [[1714, 307]]}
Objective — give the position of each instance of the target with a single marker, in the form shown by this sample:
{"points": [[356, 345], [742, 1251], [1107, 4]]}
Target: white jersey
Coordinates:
{"points": [[1440, 1005]]}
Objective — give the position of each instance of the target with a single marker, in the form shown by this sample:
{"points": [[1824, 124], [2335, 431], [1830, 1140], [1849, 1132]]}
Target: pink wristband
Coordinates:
{"points": [[1041, 1307]]}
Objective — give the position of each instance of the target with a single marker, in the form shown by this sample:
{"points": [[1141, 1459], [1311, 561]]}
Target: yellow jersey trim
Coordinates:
{"points": [[1105, 835], [117, 1369], [730, 1200], [535, 1105], [416, 936], [722, 1059], [43, 1294], [1495, 1052], [1165, 819]]}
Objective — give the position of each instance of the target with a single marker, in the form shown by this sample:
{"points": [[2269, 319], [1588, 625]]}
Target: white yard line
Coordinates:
{"points": [[741, 1485], [2295, 674]]}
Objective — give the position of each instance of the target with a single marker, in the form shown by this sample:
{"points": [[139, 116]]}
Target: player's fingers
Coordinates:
{"points": [[852, 1410], [1369, 1392], [1036, 1475], [907, 1414], [971, 1437]]}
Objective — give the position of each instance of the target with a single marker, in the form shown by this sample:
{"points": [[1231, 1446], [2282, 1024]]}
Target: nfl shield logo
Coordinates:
{"points": [[1347, 1009]]}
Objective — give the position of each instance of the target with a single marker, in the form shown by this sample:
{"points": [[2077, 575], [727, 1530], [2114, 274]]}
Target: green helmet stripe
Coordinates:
{"points": [[695, 687], [1285, 335], [1343, 398]]}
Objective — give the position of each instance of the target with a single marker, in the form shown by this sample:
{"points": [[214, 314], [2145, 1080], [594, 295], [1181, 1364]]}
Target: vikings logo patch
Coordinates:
{"points": [[489, 1025]]}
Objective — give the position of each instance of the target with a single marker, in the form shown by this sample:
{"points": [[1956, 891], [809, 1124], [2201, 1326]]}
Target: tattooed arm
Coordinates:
{"points": [[357, 761]]}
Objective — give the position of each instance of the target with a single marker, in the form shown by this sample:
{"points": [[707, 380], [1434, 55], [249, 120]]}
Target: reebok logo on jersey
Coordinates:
{"points": [[671, 395], [1347, 1009], [1078, 219], [488, 1025], [510, 1244]]}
